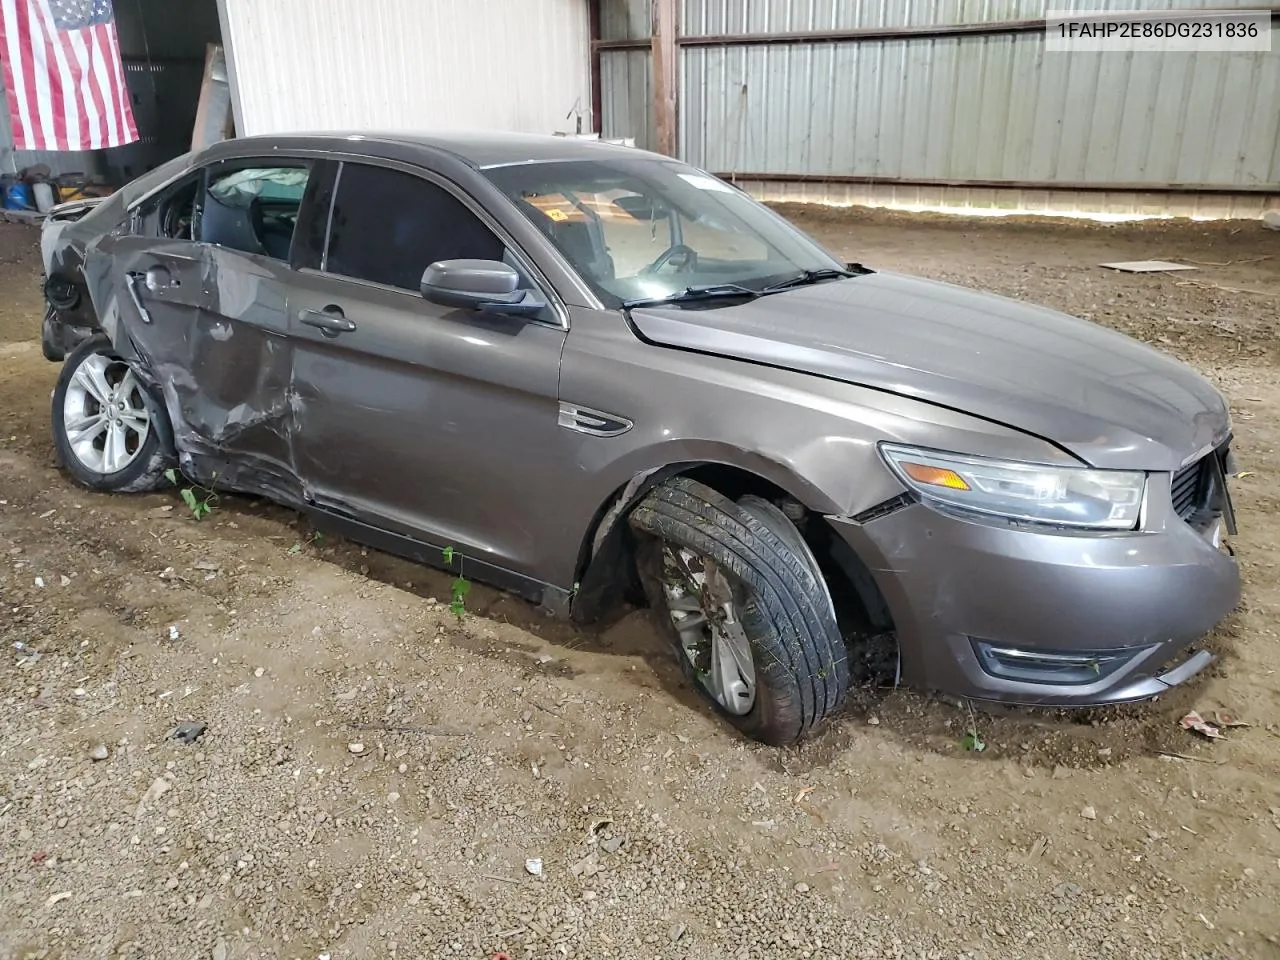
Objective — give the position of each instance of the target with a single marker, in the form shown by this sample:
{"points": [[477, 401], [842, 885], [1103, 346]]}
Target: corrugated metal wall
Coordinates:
{"points": [[986, 108], [405, 64], [626, 77]]}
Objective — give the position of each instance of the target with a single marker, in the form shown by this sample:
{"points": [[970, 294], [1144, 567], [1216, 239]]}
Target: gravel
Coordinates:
{"points": [[506, 738]]}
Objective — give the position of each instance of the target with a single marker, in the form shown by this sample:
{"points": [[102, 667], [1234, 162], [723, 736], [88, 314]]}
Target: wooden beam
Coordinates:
{"points": [[204, 104], [597, 91], [214, 120], [665, 72]]}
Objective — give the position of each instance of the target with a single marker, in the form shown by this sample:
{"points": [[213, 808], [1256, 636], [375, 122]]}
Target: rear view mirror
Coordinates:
{"points": [[640, 207], [487, 285]]}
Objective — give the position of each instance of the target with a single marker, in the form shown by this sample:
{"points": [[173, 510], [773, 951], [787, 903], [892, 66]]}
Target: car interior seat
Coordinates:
{"points": [[228, 226], [275, 238], [577, 239]]}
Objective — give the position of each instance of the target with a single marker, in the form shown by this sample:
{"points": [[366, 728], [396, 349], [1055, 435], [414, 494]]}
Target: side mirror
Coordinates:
{"points": [[489, 286]]}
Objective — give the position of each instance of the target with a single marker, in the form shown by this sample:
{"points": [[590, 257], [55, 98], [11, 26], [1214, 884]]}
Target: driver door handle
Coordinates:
{"points": [[330, 321]]}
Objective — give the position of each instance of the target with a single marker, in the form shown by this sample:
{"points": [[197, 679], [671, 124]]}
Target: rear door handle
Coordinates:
{"points": [[329, 321], [156, 278]]}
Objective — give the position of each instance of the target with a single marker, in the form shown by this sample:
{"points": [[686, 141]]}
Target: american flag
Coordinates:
{"points": [[63, 77]]}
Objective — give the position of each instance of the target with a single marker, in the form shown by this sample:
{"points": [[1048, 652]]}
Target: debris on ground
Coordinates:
{"points": [[159, 787], [1145, 266], [1213, 731], [1226, 720], [189, 731], [1089, 813], [533, 866], [99, 753], [587, 866]]}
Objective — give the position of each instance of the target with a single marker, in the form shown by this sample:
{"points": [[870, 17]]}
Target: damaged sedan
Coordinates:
{"points": [[601, 375]]}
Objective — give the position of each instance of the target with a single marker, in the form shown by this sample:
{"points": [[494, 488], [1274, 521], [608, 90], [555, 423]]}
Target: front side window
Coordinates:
{"points": [[644, 228], [389, 226], [253, 209]]}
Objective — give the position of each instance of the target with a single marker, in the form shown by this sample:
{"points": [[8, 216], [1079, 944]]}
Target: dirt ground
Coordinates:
{"points": [[375, 776]]}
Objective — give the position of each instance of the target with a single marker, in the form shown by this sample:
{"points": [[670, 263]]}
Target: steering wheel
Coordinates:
{"points": [[690, 261]]}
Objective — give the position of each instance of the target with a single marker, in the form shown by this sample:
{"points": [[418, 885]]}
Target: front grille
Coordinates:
{"points": [[1198, 490], [1189, 486]]}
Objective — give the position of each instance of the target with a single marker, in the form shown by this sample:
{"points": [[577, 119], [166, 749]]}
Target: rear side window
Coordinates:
{"points": [[389, 226], [172, 214], [253, 209]]}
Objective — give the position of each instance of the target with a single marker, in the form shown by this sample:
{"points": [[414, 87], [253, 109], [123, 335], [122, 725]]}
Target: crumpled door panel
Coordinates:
{"points": [[207, 327]]}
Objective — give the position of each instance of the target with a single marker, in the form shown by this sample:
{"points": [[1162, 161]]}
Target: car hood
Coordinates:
{"points": [[1104, 397]]}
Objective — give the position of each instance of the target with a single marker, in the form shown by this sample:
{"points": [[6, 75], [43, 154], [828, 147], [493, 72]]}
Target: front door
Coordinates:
{"points": [[431, 422]]}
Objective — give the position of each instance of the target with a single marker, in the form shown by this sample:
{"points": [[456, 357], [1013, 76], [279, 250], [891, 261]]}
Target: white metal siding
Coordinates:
{"points": [[409, 64]]}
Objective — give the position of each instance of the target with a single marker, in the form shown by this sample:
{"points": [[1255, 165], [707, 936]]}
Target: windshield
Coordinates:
{"points": [[644, 229]]}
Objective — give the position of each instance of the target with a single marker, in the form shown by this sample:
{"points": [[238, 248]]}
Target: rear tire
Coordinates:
{"points": [[106, 427], [776, 597]]}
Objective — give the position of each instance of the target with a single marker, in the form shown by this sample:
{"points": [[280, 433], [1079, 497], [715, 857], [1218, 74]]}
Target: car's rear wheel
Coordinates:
{"points": [[737, 591], [104, 423]]}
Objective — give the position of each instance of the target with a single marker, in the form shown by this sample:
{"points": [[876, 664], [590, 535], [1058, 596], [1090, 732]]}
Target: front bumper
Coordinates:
{"points": [[1130, 604], [58, 337]]}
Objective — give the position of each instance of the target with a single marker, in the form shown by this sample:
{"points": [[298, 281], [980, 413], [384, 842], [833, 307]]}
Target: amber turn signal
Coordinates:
{"points": [[934, 476]]}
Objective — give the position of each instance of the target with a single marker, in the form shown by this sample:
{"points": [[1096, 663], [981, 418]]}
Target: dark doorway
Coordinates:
{"points": [[163, 44]]}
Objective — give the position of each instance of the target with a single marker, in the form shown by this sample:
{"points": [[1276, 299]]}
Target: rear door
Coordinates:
{"points": [[432, 422], [238, 354], [199, 284]]}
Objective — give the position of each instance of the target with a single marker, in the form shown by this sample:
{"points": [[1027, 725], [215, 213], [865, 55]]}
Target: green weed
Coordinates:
{"points": [[972, 740], [461, 585], [199, 500]]}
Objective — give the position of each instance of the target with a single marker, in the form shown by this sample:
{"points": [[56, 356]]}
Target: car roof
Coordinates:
{"points": [[478, 149]]}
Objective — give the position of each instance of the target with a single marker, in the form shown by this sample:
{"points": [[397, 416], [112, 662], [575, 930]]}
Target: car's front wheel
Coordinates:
{"points": [[735, 588], [104, 426]]}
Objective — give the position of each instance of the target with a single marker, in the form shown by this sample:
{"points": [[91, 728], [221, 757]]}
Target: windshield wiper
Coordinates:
{"points": [[806, 277], [711, 291]]}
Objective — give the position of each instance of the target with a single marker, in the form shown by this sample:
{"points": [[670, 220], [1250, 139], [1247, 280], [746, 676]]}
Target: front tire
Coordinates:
{"points": [[739, 594], [104, 423]]}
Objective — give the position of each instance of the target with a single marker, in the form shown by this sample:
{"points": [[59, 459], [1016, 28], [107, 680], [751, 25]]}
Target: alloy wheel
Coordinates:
{"points": [[704, 609], [104, 414]]}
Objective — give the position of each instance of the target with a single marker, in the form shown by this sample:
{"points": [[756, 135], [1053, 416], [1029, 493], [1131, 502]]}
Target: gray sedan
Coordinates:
{"points": [[598, 374]]}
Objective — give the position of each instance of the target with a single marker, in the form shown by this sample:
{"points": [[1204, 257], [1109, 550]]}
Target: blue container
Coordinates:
{"points": [[18, 197]]}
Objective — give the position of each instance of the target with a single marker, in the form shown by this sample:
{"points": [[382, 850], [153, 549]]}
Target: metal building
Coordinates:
{"points": [[521, 65], [933, 104], [951, 104]]}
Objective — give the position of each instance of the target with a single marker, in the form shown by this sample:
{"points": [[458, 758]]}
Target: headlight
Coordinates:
{"points": [[1063, 496]]}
